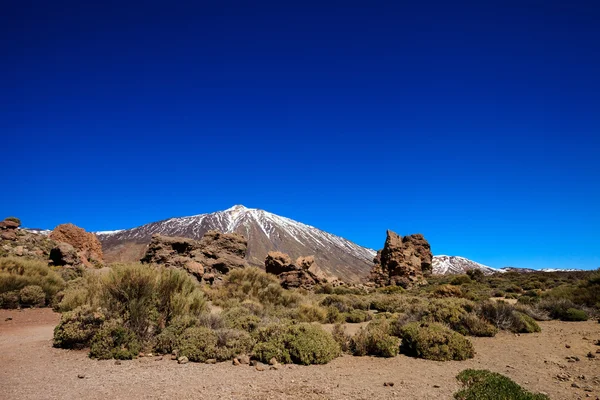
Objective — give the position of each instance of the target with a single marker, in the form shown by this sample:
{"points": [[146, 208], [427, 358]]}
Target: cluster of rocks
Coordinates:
{"points": [[8, 228], [403, 261], [67, 245], [17, 242], [207, 259], [303, 273]]}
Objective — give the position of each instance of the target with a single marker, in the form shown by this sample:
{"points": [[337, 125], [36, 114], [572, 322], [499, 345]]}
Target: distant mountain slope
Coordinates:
{"points": [[443, 265], [265, 232]]}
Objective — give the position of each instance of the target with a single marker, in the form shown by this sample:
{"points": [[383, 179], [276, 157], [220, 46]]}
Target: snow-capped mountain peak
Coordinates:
{"points": [[458, 265], [265, 232]]}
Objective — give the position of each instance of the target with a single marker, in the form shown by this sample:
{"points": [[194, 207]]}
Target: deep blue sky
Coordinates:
{"points": [[476, 123]]}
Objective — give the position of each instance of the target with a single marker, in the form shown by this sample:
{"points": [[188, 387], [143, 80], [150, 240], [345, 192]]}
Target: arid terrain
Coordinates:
{"points": [[32, 369]]}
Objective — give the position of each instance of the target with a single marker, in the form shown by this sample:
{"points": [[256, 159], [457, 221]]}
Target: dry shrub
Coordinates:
{"points": [[77, 328], [375, 340], [301, 344], [16, 273], [434, 341], [32, 296], [447, 291]]}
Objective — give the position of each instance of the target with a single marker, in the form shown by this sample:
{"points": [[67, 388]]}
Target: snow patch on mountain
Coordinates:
{"points": [[443, 265]]}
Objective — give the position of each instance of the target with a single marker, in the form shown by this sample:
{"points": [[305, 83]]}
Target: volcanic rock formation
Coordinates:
{"points": [[304, 273], [214, 255], [403, 261], [86, 244]]}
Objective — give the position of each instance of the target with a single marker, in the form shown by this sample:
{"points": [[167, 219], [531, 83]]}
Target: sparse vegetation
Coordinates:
{"points": [[486, 385], [18, 273]]}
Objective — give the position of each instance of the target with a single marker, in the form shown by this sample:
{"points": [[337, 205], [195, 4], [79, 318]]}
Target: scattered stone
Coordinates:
{"points": [[8, 319], [259, 368], [575, 385], [437, 386], [141, 354], [159, 358], [388, 383], [182, 360], [81, 376], [244, 359], [582, 377], [149, 355], [563, 376], [591, 355], [572, 358], [211, 361], [236, 361], [118, 362], [253, 363], [568, 346], [273, 361], [274, 367]]}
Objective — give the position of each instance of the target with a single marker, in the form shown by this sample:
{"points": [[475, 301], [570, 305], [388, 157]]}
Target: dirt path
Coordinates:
{"points": [[30, 368]]}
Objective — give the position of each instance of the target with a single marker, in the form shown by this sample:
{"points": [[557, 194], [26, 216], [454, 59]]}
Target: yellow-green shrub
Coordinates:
{"points": [[434, 341]]}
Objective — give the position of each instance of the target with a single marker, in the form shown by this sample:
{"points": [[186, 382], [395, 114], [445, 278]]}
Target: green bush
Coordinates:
{"points": [[178, 295], [504, 316], [77, 328], [334, 315], [198, 344], [168, 339], [525, 324], [573, 314], [13, 219], [375, 340], [9, 300], [447, 291], [16, 273], [255, 284], [460, 280], [129, 293], [32, 296], [113, 340], [472, 324], [563, 309], [85, 290], [357, 316], [311, 313], [301, 344], [232, 342], [341, 337], [476, 275], [433, 341], [486, 385], [241, 318]]}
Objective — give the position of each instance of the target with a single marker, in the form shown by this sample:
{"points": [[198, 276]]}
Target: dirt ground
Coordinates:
{"points": [[30, 368]]}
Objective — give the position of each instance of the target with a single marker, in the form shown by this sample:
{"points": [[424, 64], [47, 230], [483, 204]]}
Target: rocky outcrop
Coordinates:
{"points": [[304, 273], [8, 228], [23, 243], [86, 244], [207, 259], [403, 261]]}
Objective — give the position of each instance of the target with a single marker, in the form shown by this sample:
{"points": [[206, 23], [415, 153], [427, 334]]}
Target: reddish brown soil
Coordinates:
{"points": [[30, 368]]}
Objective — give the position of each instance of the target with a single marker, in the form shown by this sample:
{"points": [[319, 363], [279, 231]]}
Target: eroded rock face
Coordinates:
{"points": [[86, 244], [8, 229], [214, 255], [403, 261], [303, 273]]}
